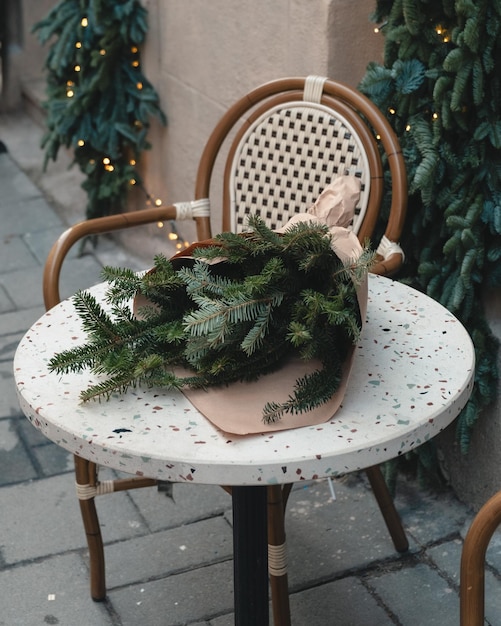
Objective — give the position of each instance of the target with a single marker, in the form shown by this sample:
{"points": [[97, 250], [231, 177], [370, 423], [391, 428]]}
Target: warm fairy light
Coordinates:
{"points": [[158, 202], [179, 245], [106, 161], [77, 68], [132, 162], [102, 52], [80, 143], [438, 30], [138, 124], [392, 111], [70, 93], [435, 116], [69, 83], [139, 85], [78, 44], [160, 224], [109, 168], [378, 137], [134, 50], [84, 22], [135, 63], [408, 127], [132, 181], [173, 236], [446, 39]]}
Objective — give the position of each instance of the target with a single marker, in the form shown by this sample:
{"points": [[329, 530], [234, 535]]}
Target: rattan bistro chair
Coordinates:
{"points": [[290, 137]]}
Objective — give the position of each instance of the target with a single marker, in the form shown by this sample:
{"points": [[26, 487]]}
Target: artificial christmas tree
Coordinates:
{"points": [[98, 100], [440, 86]]}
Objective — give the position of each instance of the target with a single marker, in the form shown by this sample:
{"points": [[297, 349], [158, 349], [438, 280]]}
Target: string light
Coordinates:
{"points": [[132, 162], [408, 127], [78, 44], [139, 85], [135, 63], [106, 161], [132, 181], [84, 22], [379, 28], [77, 68], [134, 50], [158, 202], [80, 143], [391, 111], [70, 93], [435, 116]]}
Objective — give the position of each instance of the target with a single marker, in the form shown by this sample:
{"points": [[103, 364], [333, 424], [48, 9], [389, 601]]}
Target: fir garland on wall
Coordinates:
{"points": [[98, 100], [440, 86]]}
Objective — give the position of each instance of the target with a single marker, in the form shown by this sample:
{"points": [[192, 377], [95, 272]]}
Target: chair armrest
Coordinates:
{"points": [[100, 225]]}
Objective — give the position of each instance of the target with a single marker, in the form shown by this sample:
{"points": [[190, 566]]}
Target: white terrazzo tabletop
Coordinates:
{"points": [[412, 375]]}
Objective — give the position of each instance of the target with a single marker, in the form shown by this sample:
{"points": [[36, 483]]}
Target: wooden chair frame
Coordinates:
{"points": [[370, 124]]}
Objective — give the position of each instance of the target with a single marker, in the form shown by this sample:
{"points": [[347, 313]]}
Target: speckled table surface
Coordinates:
{"points": [[412, 374]]}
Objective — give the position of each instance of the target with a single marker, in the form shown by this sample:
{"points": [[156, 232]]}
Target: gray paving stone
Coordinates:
{"points": [[345, 602], [326, 537], [18, 322], [167, 552], [8, 346], [428, 516], [6, 303], [51, 504], [417, 596], [447, 558], [54, 591], [15, 255], [189, 597], [15, 463], [190, 503], [53, 460], [9, 405]]}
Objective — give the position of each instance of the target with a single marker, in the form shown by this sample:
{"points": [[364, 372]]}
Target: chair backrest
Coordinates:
{"points": [[289, 138]]}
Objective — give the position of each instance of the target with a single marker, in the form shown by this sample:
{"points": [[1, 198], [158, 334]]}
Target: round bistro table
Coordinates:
{"points": [[412, 374]]}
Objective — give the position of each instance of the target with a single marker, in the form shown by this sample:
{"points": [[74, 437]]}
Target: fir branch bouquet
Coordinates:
{"points": [[235, 309]]}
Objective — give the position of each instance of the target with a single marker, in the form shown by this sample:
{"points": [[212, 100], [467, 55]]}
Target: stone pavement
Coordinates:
{"points": [[169, 560]]}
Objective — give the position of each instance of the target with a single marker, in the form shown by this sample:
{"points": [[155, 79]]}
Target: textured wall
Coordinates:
{"points": [[204, 55]]}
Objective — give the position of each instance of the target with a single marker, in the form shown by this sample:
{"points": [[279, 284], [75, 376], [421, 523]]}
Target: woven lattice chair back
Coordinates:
{"points": [[291, 137]]}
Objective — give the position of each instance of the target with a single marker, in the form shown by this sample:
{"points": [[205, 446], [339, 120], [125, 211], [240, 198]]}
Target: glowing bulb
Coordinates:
{"points": [[446, 39], [392, 111], [70, 83], [134, 50], [135, 63], [70, 93], [378, 137], [160, 224], [173, 236], [408, 127], [139, 85], [102, 52], [81, 143], [78, 44], [132, 162], [106, 161], [435, 116], [77, 68], [84, 22], [132, 181], [158, 202], [109, 168], [179, 246]]}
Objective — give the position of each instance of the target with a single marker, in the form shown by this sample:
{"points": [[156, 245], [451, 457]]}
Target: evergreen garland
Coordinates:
{"points": [[98, 100], [273, 296], [440, 86]]}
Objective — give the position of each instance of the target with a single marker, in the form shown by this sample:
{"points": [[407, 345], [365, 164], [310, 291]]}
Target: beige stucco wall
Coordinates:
{"points": [[204, 55]]}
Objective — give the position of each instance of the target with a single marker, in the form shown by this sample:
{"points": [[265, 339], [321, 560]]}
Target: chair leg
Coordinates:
{"points": [[472, 584], [277, 557], [86, 475], [387, 506]]}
